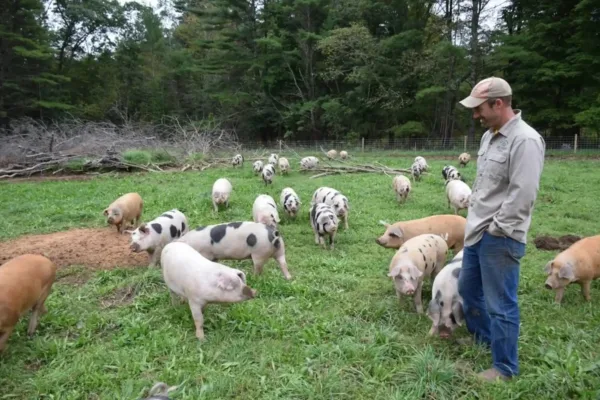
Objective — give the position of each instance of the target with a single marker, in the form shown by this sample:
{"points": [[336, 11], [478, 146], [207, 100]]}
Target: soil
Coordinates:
{"points": [[552, 243], [100, 248]]}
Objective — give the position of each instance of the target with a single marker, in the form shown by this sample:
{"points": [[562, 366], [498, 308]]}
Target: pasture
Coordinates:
{"points": [[336, 331]]}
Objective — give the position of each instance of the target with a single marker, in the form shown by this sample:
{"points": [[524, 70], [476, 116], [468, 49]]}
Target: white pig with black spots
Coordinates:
{"points": [[257, 167], [153, 236], [335, 199], [268, 173], [239, 241], [324, 221], [290, 201]]}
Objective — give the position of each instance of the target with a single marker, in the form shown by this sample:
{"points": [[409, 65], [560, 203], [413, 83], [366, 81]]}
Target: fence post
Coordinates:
{"points": [[280, 145], [363, 145], [466, 138], [575, 145]]}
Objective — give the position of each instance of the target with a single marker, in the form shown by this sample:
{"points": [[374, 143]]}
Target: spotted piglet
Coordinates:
{"points": [[239, 241], [268, 173], [257, 167], [419, 257], [335, 199], [324, 221], [238, 159], [156, 234], [446, 306], [290, 202]]}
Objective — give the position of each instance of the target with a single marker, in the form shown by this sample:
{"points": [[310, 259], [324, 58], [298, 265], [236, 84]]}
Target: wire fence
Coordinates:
{"points": [[456, 145]]}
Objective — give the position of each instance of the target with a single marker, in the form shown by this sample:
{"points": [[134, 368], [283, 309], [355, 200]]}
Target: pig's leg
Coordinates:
{"points": [[196, 309], [258, 264], [37, 310], [585, 290], [559, 295], [4, 335], [316, 238], [331, 237], [433, 330], [154, 258], [280, 258], [346, 221], [175, 298], [418, 298], [215, 205]]}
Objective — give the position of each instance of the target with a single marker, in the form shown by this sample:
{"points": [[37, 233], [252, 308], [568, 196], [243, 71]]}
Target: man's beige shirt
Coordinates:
{"points": [[509, 167]]}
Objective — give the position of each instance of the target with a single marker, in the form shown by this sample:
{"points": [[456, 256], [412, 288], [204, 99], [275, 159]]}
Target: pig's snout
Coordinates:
{"points": [[548, 286], [135, 247], [110, 220], [380, 241], [249, 293]]}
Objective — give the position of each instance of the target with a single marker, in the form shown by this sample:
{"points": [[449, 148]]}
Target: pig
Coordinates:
{"points": [[343, 154], [309, 162], [402, 187], [579, 263], [25, 283], [153, 236], [331, 154], [273, 159], [335, 199], [238, 159], [419, 257], [458, 194], [451, 173], [127, 208], [265, 211], [290, 202], [464, 159], [415, 171], [446, 306], [396, 234], [257, 167], [268, 173], [239, 241], [221, 191], [421, 161], [191, 276], [324, 221], [284, 165], [160, 391]]}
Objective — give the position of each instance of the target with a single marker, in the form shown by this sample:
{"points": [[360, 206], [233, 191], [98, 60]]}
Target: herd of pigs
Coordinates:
{"points": [[189, 258]]}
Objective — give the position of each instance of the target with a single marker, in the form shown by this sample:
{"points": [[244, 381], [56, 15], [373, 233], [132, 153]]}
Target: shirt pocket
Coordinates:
{"points": [[497, 167]]}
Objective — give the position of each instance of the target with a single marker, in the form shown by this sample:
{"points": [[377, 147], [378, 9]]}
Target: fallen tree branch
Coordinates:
{"points": [[358, 168]]}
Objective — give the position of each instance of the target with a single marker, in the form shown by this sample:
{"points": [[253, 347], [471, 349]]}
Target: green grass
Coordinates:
{"points": [[335, 331]]}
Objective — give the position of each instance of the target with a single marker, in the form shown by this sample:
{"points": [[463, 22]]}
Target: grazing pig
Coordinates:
{"points": [[464, 159], [265, 211], [343, 154], [25, 283], [268, 173], [190, 275], [238, 159], [127, 208], [273, 159], [580, 263], [324, 221], [401, 185], [331, 154], [335, 199], [220, 193], [419, 257], [239, 241], [257, 167], [284, 165], [290, 201], [451, 173], [421, 161], [309, 162], [396, 234], [153, 236], [459, 195], [446, 306], [415, 171], [160, 391]]}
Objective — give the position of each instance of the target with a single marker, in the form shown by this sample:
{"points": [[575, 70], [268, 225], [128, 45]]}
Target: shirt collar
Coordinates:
{"points": [[507, 129]]}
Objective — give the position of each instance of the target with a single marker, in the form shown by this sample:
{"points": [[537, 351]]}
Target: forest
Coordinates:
{"points": [[301, 69]]}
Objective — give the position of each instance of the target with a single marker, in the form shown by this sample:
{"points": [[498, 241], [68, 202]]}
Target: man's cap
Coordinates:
{"points": [[486, 89]]}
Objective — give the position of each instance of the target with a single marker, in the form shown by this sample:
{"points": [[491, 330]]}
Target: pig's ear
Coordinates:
{"points": [[225, 282], [566, 272], [144, 229], [548, 267], [105, 212], [395, 231], [415, 272], [457, 312], [242, 276], [394, 272]]}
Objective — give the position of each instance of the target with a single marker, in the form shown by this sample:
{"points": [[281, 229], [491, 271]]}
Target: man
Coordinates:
{"points": [[509, 165]]}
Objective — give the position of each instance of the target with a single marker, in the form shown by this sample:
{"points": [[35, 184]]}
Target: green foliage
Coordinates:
{"points": [[410, 129]]}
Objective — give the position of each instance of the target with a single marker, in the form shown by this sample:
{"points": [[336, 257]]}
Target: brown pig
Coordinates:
{"points": [[580, 263], [126, 208], [396, 234], [25, 282]]}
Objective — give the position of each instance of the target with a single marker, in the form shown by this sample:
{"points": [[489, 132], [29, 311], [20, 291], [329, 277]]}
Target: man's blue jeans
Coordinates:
{"points": [[488, 283]]}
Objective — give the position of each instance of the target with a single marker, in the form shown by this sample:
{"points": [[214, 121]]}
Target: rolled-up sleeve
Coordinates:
{"points": [[526, 165]]}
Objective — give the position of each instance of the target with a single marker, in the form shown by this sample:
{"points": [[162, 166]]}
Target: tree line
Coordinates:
{"points": [[301, 69]]}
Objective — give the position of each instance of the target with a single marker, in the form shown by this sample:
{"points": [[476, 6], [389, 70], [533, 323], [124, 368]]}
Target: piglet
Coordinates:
{"points": [[221, 191], [324, 221], [268, 173], [446, 309], [265, 211], [200, 281], [402, 187], [580, 263], [25, 283], [310, 162], [419, 257], [290, 201], [154, 235], [127, 208], [332, 154], [458, 194], [284, 165], [335, 199], [343, 154], [463, 159], [257, 167]]}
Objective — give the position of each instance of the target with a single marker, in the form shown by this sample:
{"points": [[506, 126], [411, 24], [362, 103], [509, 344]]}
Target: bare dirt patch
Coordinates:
{"points": [[100, 248], [552, 243]]}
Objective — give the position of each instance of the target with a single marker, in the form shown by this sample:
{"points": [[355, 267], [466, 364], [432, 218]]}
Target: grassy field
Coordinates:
{"points": [[336, 331]]}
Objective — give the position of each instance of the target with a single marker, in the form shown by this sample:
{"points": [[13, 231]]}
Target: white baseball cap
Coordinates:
{"points": [[486, 89]]}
